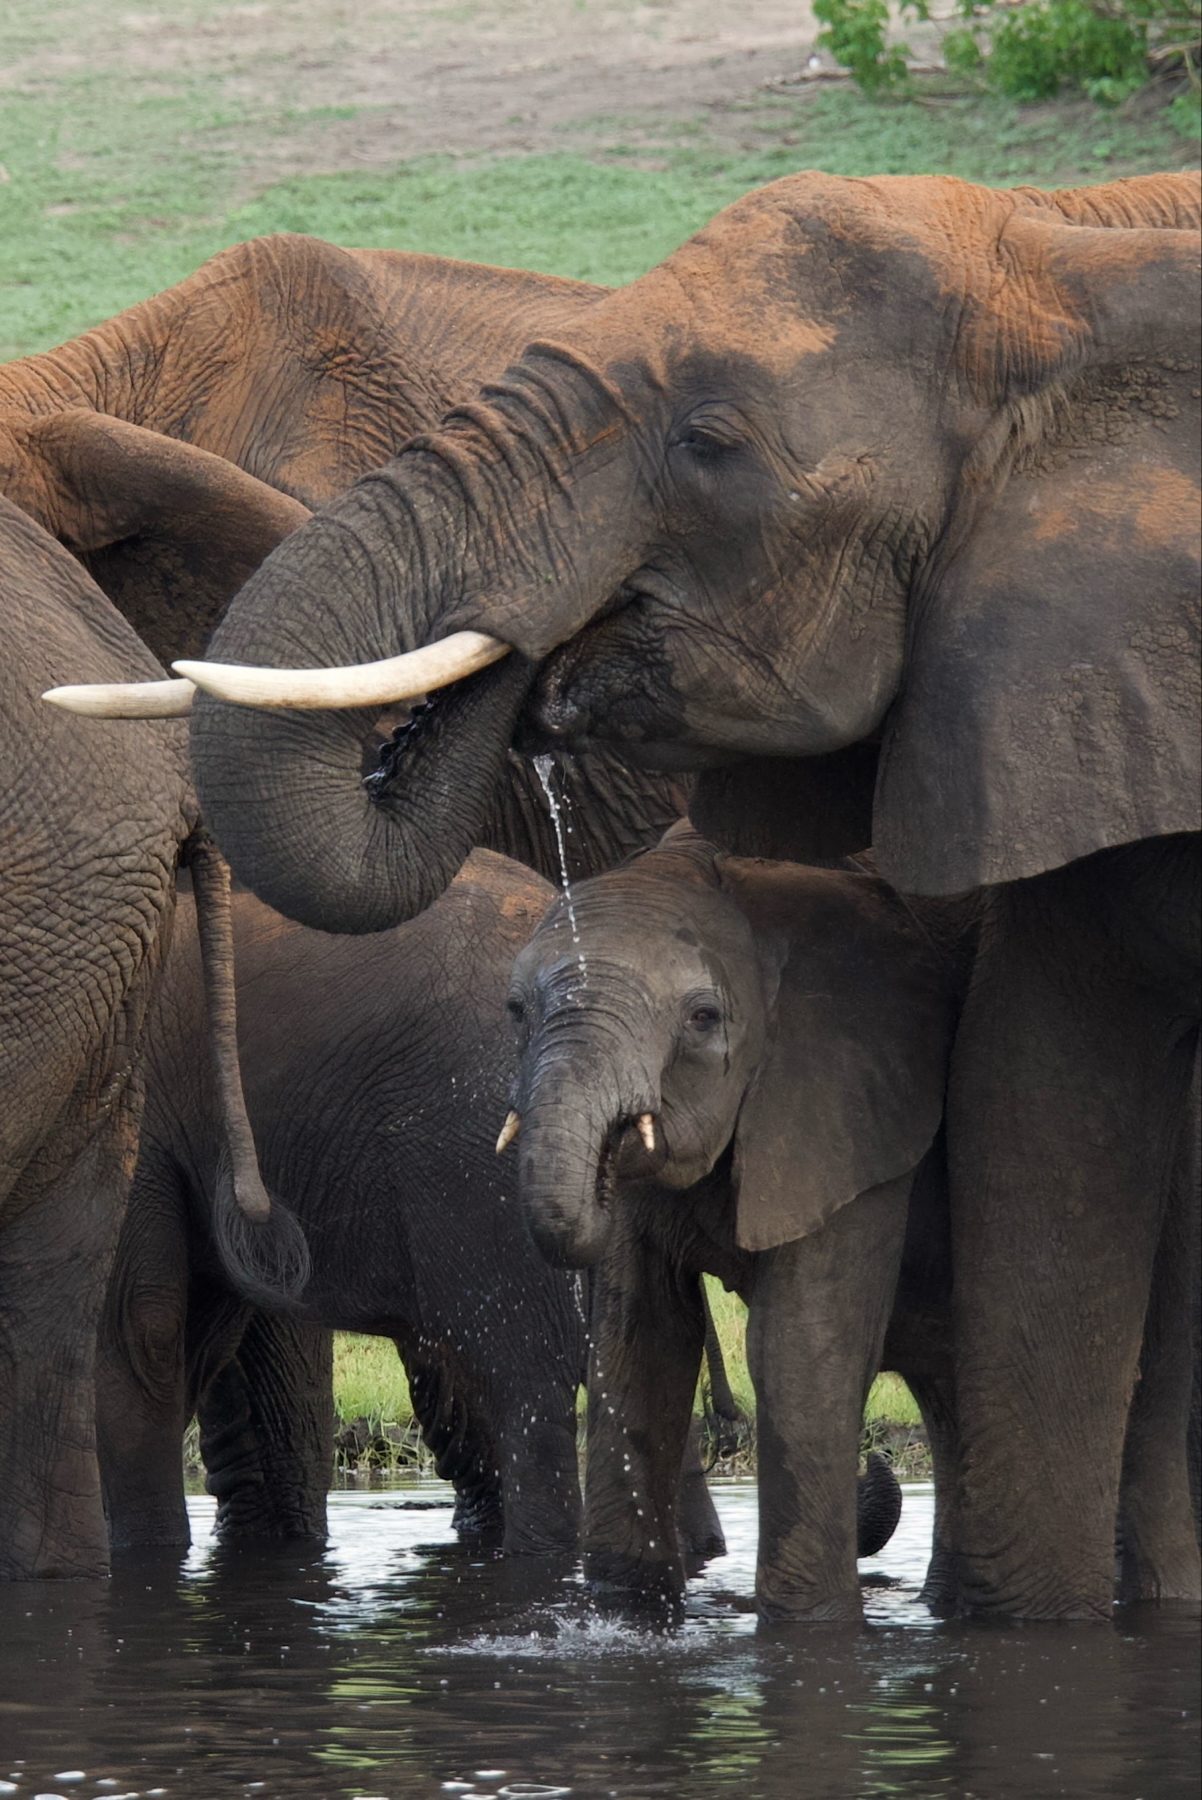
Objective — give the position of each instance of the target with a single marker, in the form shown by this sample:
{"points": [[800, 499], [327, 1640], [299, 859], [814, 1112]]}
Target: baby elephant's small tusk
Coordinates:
{"points": [[509, 1130], [647, 1132]]}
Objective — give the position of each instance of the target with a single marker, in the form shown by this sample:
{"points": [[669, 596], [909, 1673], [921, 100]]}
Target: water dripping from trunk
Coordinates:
{"points": [[543, 767]]}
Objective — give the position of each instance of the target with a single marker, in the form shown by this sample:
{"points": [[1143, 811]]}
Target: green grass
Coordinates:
{"points": [[369, 1381], [114, 189]]}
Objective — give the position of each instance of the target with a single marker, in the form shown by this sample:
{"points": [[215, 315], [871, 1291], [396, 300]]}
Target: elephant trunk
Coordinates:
{"points": [[570, 1136], [283, 792], [476, 527], [878, 1505]]}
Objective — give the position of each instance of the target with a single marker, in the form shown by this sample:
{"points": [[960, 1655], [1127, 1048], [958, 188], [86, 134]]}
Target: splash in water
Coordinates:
{"points": [[543, 766]]}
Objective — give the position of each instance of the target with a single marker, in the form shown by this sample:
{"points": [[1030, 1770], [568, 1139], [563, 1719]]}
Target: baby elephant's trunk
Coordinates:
{"points": [[878, 1505]]}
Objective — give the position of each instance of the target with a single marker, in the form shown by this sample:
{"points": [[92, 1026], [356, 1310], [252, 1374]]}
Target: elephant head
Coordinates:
{"points": [[692, 1004], [900, 462]]}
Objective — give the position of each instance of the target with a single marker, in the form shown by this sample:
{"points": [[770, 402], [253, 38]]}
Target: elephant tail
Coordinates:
{"points": [[261, 1245], [878, 1505]]}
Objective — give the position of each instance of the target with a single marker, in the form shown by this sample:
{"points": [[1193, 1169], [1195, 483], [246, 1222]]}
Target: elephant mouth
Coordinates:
{"points": [[605, 1182], [626, 1156]]}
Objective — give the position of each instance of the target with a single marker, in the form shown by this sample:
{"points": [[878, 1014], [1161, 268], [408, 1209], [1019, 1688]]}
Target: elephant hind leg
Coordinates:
{"points": [[55, 1256], [141, 1408], [698, 1527], [267, 1431], [458, 1437]]}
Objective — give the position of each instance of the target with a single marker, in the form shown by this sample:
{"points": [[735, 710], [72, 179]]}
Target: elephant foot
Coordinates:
{"points": [[479, 1515], [1161, 1578], [250, 1513], [938, 1592], [980, 1595], [633, 1580], [169, 1532], [779, 1608]]}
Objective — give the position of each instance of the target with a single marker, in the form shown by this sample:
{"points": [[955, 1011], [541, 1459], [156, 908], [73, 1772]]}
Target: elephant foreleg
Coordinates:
{"points": [[935, 1395], [1157, 1535], [1069, 1080], [539, 1470], [648, 1335], [815, 1332]]}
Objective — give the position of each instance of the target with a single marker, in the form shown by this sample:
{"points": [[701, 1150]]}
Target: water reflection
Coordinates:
{"points": [[398, 1665]]}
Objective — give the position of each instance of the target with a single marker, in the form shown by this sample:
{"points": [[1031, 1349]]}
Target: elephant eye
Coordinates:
{"points": [[703, 446], [705, 1017], [516, 1009]]}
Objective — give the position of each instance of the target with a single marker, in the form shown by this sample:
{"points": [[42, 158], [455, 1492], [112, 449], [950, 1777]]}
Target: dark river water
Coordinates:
{"points": [[395, 1665]]}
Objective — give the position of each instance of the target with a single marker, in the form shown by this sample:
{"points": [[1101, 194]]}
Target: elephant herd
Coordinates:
{"points": [[841, 576]]}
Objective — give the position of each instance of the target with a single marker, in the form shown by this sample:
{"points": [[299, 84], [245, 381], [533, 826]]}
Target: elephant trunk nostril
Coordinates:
{"points": [[559, 716]]}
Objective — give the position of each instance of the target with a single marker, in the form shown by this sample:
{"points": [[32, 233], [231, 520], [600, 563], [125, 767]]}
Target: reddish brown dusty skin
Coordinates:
{"points": [[301, 364]]}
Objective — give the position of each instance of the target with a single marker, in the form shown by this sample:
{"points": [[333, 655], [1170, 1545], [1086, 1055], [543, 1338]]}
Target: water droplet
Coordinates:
{"points": [[543, 767]]}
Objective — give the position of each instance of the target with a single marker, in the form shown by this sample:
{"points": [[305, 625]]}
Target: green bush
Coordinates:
{"points": [[1029, 51], [854, 33]]}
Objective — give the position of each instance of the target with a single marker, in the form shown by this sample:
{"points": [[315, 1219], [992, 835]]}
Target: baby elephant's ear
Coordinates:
{"points": [[168, 531], [849, 1092]]}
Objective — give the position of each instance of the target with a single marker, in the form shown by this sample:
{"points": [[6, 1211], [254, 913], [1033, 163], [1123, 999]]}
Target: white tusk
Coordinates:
{"points": [[509, 1130], [125, 699], [362, 684], [647, 1132]]}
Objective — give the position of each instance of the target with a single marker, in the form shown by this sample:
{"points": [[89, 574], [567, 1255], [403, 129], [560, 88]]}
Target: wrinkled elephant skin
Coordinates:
{"points": [[87, 874]]}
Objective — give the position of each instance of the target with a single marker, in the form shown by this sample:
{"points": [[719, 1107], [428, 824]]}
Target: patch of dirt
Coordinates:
{"points": [[485, 75]]}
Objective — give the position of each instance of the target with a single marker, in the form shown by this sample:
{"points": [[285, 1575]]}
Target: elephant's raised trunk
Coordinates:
{"points": [[283, 792]]}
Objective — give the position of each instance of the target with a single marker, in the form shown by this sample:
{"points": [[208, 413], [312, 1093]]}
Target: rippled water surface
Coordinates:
{"points": [[396, 1665]]}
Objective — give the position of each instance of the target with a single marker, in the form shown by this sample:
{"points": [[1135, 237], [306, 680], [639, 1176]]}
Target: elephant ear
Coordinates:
{"points": [[850, 1088], [169, 532], [1051, 697]]}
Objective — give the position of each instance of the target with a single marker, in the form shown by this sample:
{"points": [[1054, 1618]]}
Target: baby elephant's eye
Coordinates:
{"points": [[705, 1016], [516, 1010]]}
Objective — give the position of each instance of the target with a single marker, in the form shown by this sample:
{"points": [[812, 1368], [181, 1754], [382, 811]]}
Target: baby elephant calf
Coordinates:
{"points": [[738, 1067]]}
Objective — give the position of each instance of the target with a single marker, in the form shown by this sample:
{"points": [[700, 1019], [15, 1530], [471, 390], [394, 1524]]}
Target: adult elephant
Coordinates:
{"points": [[88, 851], [302, 365], [169, 450], [898, 462]]}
